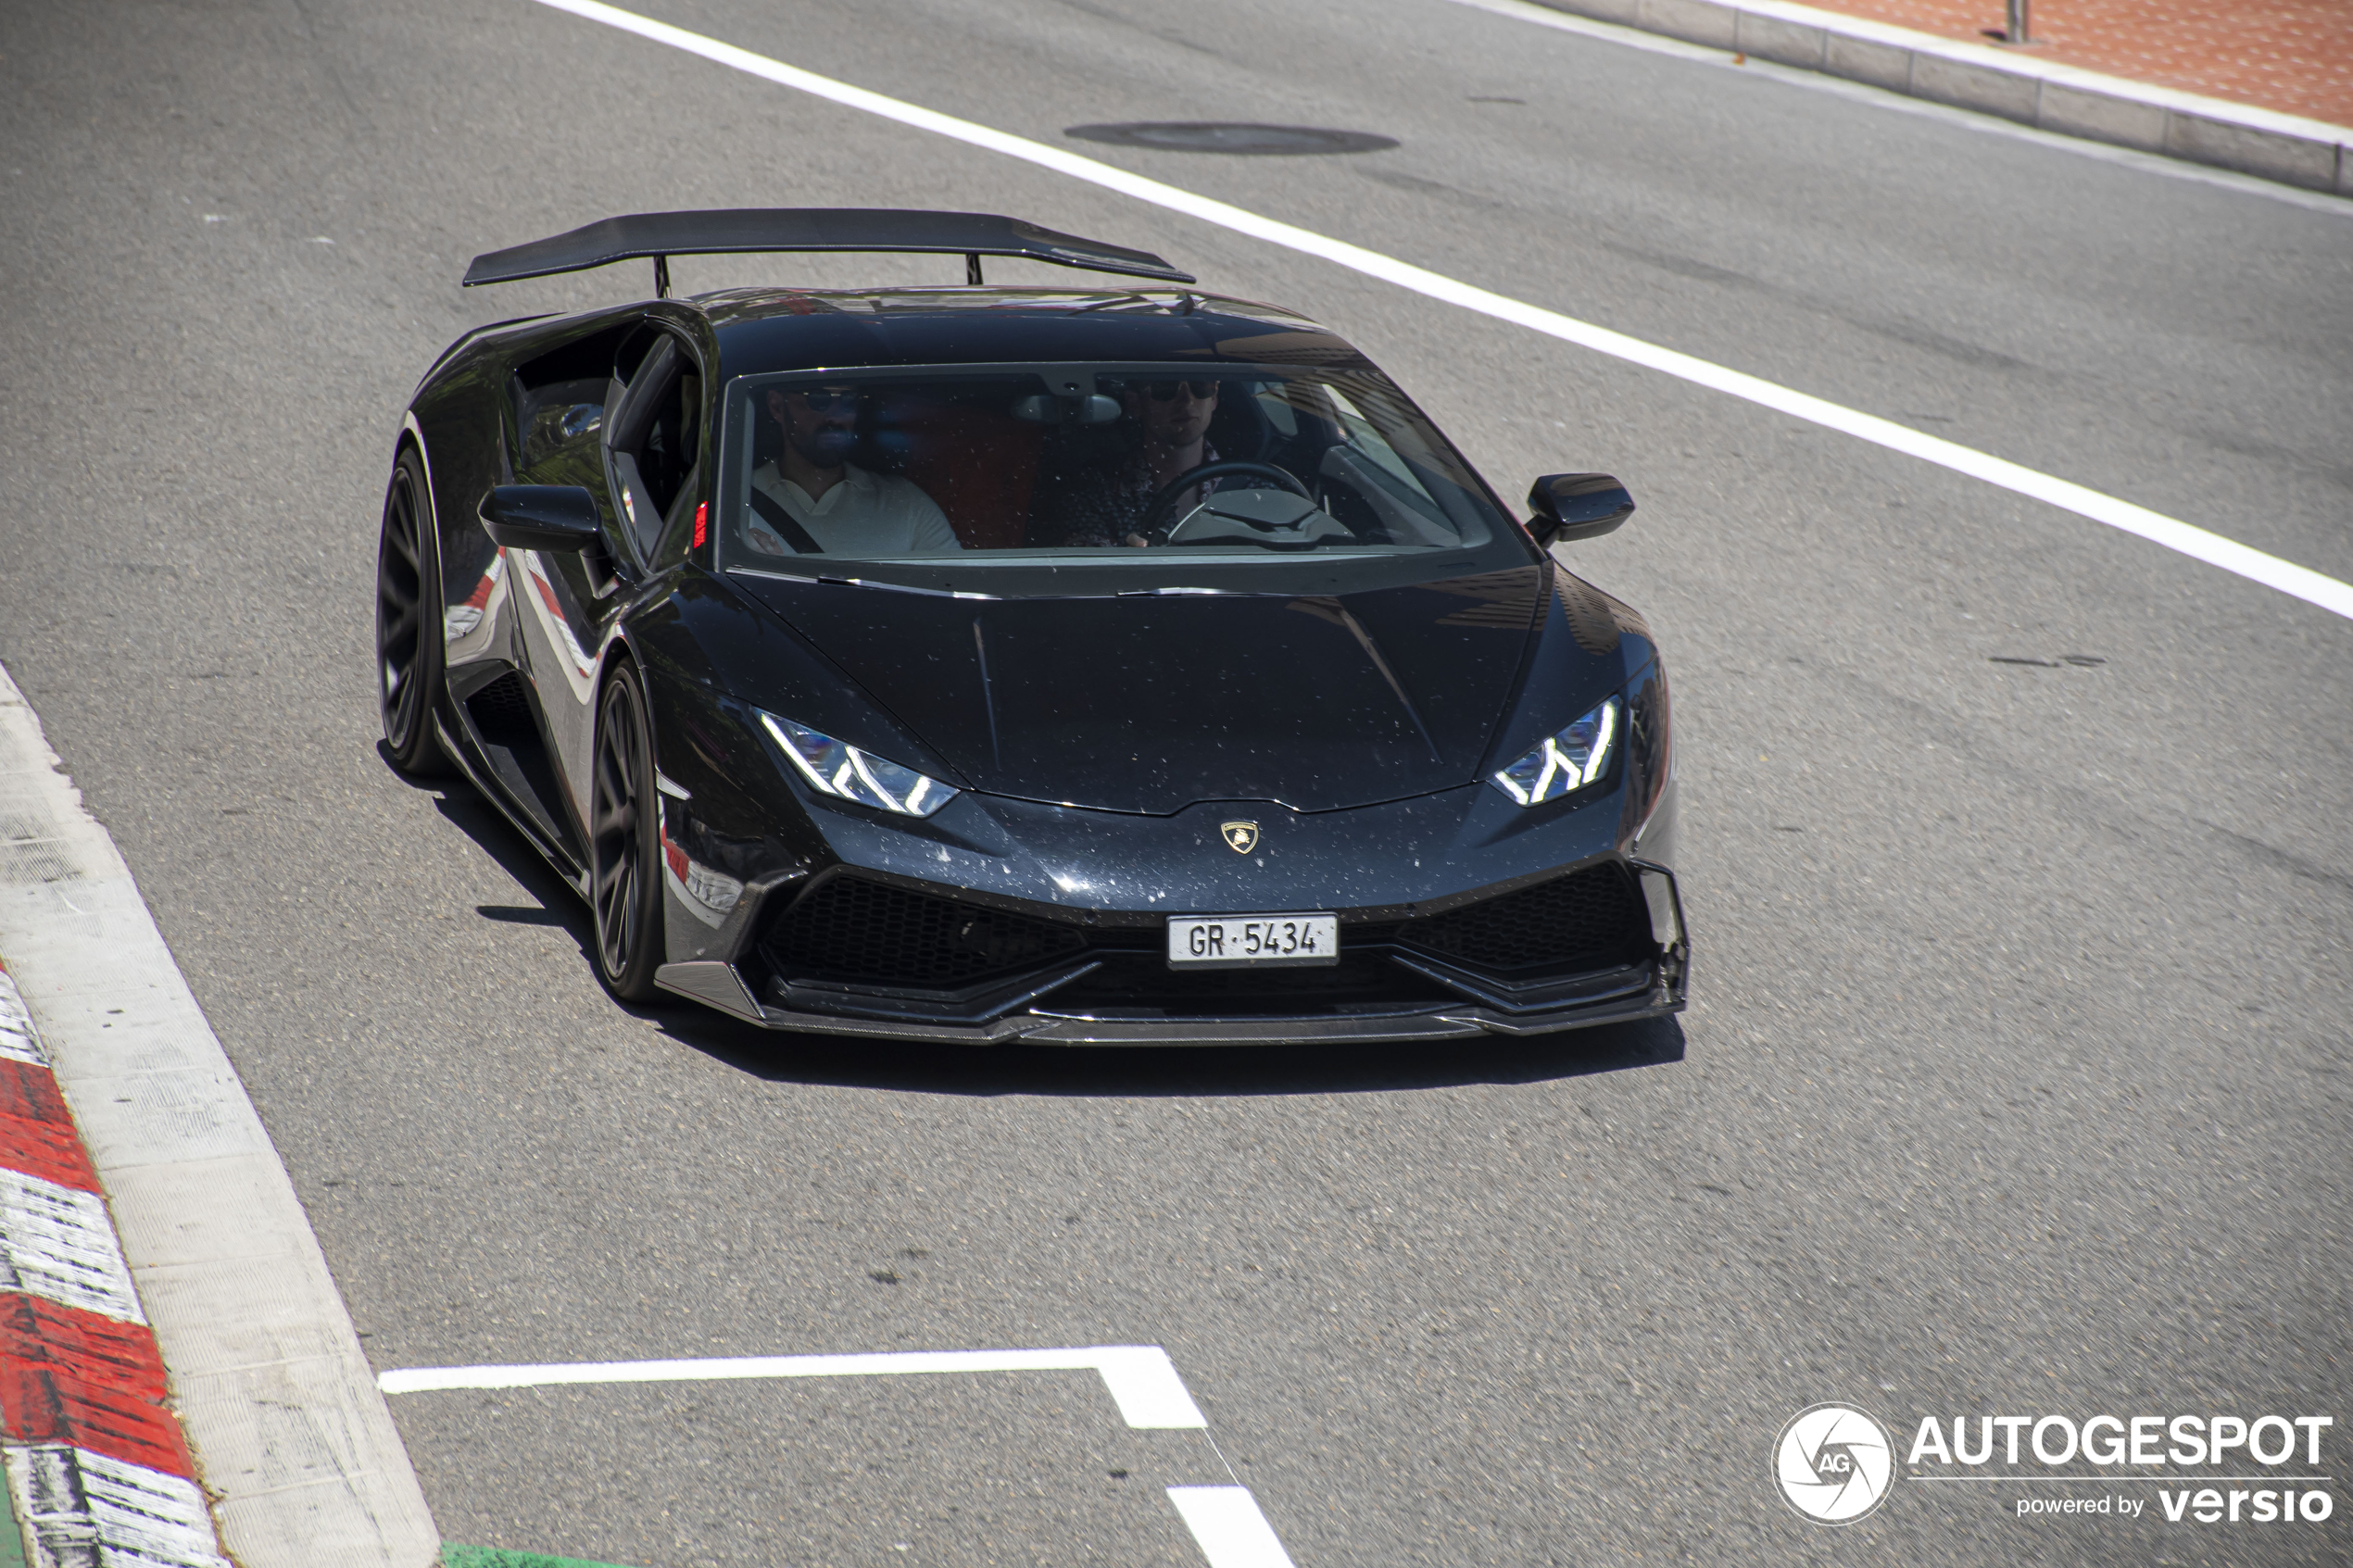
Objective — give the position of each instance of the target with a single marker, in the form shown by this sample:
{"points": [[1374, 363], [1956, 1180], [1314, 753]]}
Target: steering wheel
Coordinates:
{"points": [[1156, 529]]}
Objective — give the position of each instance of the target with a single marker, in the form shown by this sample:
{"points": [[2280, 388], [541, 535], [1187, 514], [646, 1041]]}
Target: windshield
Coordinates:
{"points": [[1148, 469]]}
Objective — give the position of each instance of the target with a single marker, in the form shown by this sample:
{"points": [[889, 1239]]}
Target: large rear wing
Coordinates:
{"points": [[750, 231]]}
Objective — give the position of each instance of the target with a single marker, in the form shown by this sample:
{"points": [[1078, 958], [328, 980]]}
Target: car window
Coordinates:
{"points": [[1111, 464], [1359, 433]]}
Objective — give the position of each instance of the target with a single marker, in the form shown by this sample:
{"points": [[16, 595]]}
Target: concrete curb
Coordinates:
{"points": [[2062, 99], [289, 1437]]}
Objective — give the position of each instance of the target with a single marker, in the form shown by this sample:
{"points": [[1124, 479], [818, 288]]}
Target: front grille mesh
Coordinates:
{"points": [[1587, 920], [857, 931], [850, 931]]}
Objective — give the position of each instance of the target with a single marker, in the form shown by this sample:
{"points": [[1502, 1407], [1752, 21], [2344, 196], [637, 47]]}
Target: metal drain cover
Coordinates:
{"points": [[1261, 141]]}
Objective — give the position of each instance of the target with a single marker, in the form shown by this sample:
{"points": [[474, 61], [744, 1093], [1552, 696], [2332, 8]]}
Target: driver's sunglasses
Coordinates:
{"points": [[823, 402], [1166, 391]]}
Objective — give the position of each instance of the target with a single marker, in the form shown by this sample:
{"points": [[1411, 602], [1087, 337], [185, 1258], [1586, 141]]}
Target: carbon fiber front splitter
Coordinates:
{"points": [[1655, 991]]}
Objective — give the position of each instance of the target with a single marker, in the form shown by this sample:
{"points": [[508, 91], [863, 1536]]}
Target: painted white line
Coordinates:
{"points": [[288, 1429], [82, 1508], [1141, 1379], [1226, 1521], [1231, 1531], [2173, 534], [59, 1243]]}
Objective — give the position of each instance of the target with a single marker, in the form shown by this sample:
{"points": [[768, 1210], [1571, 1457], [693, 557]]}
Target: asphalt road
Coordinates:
{"points": [[2016, 1079]]}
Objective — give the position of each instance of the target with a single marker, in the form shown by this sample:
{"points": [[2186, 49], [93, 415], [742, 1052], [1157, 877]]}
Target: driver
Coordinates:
{"points": [[1166, 424], [813, 490]]}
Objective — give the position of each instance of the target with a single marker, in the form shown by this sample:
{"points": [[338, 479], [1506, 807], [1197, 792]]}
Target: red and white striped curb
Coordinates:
{"points": [[97, 1467]]}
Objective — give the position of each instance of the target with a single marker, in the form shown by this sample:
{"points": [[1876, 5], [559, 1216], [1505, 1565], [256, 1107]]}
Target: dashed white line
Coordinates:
{"points": [[1226, 1524], [1226, 1521], [2300, 581]]}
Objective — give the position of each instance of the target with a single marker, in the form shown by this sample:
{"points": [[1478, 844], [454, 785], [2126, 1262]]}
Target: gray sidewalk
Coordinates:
{"points": [[2058, 98]]}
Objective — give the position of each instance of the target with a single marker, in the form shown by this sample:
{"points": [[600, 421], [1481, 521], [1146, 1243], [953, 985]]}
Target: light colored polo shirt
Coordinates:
{"points": [[859, 514]]}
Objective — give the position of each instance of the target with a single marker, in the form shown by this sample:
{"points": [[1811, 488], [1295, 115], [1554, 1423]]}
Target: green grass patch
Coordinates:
{"points": [[456, 1556], [11, 1537]]}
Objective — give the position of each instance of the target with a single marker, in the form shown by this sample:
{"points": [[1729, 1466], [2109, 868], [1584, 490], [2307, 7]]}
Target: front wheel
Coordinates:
{"points": [[408, 649], [625, 819]]}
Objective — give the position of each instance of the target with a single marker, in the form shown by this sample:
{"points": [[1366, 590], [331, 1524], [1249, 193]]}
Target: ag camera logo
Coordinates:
{"points": [[1835, 1463]]}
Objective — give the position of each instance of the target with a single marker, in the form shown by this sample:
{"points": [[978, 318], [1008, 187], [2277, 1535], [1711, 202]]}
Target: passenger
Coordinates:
{"points": [[813, 490], [1166, 431]]}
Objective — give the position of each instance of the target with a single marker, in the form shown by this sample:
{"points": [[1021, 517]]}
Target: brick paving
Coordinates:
{"points": [[2293, 56]]}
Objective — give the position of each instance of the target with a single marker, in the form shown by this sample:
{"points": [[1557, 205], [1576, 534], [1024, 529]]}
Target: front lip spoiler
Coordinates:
{"points": [[1656, 992]]}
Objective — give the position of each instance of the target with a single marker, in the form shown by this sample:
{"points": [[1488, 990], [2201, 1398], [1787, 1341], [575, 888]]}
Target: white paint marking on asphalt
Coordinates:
{"points": [[1141, 1379], [2173, 534], [1231, 1531], [290, 1432], [1226, 1521], [59, 1244]]}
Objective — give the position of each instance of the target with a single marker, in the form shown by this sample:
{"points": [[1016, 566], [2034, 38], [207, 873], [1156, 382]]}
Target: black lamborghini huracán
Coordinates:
{"points": [[1114, 664]]}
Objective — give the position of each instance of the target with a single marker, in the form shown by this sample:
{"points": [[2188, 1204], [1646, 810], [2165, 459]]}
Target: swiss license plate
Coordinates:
{"points": [[1251, 941]]}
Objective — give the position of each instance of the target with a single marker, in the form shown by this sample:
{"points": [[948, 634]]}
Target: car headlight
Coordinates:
{"points": [[1565, 762], [839, 769]]}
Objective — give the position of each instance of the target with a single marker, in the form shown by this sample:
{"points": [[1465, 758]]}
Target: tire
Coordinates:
{"points": [[408, 650], [625, 819]]}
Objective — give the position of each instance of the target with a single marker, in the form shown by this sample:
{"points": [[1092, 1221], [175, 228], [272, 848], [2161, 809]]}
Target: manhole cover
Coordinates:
{"points": [[1279, 140]]}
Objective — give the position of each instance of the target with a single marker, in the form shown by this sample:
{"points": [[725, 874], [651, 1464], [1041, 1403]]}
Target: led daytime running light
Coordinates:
{"points": [[840, 770], [1566, 762]]}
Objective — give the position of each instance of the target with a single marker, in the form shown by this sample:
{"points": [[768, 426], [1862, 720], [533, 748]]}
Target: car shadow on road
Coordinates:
{"points": [[464, 808], [1080, 1071]]}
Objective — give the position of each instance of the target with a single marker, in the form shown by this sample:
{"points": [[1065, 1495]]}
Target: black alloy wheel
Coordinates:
{"points": [[408, 649], [624, 865]]}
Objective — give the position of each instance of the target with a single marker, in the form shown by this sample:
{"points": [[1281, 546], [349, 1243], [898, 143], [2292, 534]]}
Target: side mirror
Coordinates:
{"points": [[1577, 505], [543, 517]]}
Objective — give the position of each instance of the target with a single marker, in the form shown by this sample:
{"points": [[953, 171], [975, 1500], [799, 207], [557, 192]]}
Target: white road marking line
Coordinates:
{"points": [[1226, 1521], [1141, 1379], [1228, 1524], [59, 1243], [2173, 534]]}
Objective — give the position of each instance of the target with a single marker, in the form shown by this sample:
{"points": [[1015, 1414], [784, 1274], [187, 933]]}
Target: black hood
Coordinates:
{"points": [[1151, 703]]}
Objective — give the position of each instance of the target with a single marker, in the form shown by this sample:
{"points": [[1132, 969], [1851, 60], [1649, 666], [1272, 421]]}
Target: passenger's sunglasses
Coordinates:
{"points": [[825, 402], [1166, 391]]}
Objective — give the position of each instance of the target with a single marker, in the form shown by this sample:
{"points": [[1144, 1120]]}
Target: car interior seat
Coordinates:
{"points": [[978, 465]]}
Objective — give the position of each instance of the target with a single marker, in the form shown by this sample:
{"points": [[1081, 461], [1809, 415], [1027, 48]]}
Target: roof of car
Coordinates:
{"points": [[770, 330]]}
